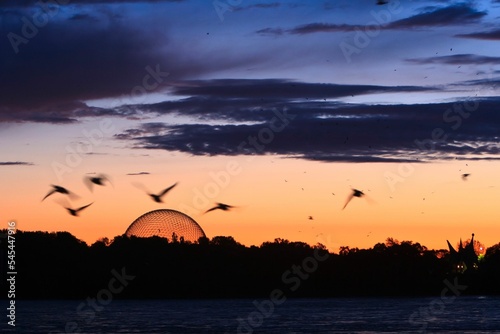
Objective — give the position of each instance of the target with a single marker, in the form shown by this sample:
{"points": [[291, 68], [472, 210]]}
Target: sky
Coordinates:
{"points": [[279, 108]]}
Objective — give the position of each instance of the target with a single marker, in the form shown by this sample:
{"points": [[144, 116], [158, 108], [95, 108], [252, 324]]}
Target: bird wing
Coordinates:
{"points": [[49, 193], [140, 186], [348, 200], [212, 209], [88, 182], [167, 189], [83, 207], [106, 177], [72, 195]]}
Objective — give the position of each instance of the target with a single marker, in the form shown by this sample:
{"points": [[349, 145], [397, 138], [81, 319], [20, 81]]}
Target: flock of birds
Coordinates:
{"points": [[359, 193], [102, 180]]}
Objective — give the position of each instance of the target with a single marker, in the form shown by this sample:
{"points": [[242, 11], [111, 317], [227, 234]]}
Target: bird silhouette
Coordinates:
{"points": [[100, 180], [354, 193], [59, 189], [74, 212], [382, 2], [220, 206], [465, 176], [157, 197], [311, 218]]}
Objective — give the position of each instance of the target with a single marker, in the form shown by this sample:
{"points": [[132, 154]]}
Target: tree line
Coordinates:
{"points": [[59, 266]]}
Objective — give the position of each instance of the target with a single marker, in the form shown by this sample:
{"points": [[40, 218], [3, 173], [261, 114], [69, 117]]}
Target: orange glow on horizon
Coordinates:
{"points": [[430, 206]]}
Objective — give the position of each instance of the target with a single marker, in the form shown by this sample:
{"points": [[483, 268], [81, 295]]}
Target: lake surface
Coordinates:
{"points": [[342, 315]]}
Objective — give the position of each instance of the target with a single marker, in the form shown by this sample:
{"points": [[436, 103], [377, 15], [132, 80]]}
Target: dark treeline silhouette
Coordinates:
{"points": [[58, 265]]}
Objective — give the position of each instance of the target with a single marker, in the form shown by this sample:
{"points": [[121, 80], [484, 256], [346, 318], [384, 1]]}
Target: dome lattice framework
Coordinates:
{"points": [[163, 223]]}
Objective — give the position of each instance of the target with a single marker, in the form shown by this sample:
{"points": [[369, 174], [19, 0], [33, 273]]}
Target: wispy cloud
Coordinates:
{"points": [[493, 35], [16, 163], [258, 6], [459, 14], [321, 27], [338, 132], [33, 3], [139, 173], [281, 88], [459, 59]]}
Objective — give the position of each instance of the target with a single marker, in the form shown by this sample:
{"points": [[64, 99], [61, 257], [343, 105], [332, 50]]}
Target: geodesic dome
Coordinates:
{"points": [[163, 223]]}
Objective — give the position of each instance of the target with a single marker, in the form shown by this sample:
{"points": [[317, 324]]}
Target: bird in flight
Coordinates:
{"points": [[382, 2], [100, 180], [59, 189], [74, 212], [220, 206], [354, 193], [465, 176], [157, 197], [311, 218]]}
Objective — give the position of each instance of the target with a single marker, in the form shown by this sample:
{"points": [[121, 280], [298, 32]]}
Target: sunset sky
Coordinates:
{"points": [[276, 107]]}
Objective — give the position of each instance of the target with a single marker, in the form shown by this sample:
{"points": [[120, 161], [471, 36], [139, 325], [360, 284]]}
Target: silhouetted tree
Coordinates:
{"points": [[58, 265]]}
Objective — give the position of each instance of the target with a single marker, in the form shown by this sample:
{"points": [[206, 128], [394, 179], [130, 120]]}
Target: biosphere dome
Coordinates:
{"points": [[164, 223]]}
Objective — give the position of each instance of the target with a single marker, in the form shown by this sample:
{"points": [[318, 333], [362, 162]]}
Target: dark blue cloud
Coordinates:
{"points": [[458, 59], [492, 35], [281, 89], [356, 133], [36, 3], [458, 14], [257, 6]]}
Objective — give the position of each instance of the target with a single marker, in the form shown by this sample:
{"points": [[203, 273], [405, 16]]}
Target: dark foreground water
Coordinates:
{"points": [[343, 315]]}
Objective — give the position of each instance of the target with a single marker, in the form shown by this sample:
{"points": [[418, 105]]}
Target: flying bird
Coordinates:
{"points": [[465, 176], [311, 218], [157, 197], [74, 212], [100, 180], [355, 193], [59, 189], [382, 2], [220, 206]]}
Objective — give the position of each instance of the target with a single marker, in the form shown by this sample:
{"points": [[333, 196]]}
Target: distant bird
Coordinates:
{"points": [[74, 212], [382, 2], [355, 193], [220, 206], [59, 189], [465, 176], [157, 197], [311, 218], [100, 180]]}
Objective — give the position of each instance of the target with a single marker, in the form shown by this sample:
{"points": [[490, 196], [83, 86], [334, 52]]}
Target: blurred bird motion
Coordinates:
{"points": [[99, 180], [74, 212], [382, 2], [155, 197], [354, 193], [220, 206], [61, 190], [465, 176]]}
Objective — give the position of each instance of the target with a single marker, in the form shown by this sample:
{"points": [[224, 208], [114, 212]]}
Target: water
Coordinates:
{"points": [[343, 315]]}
